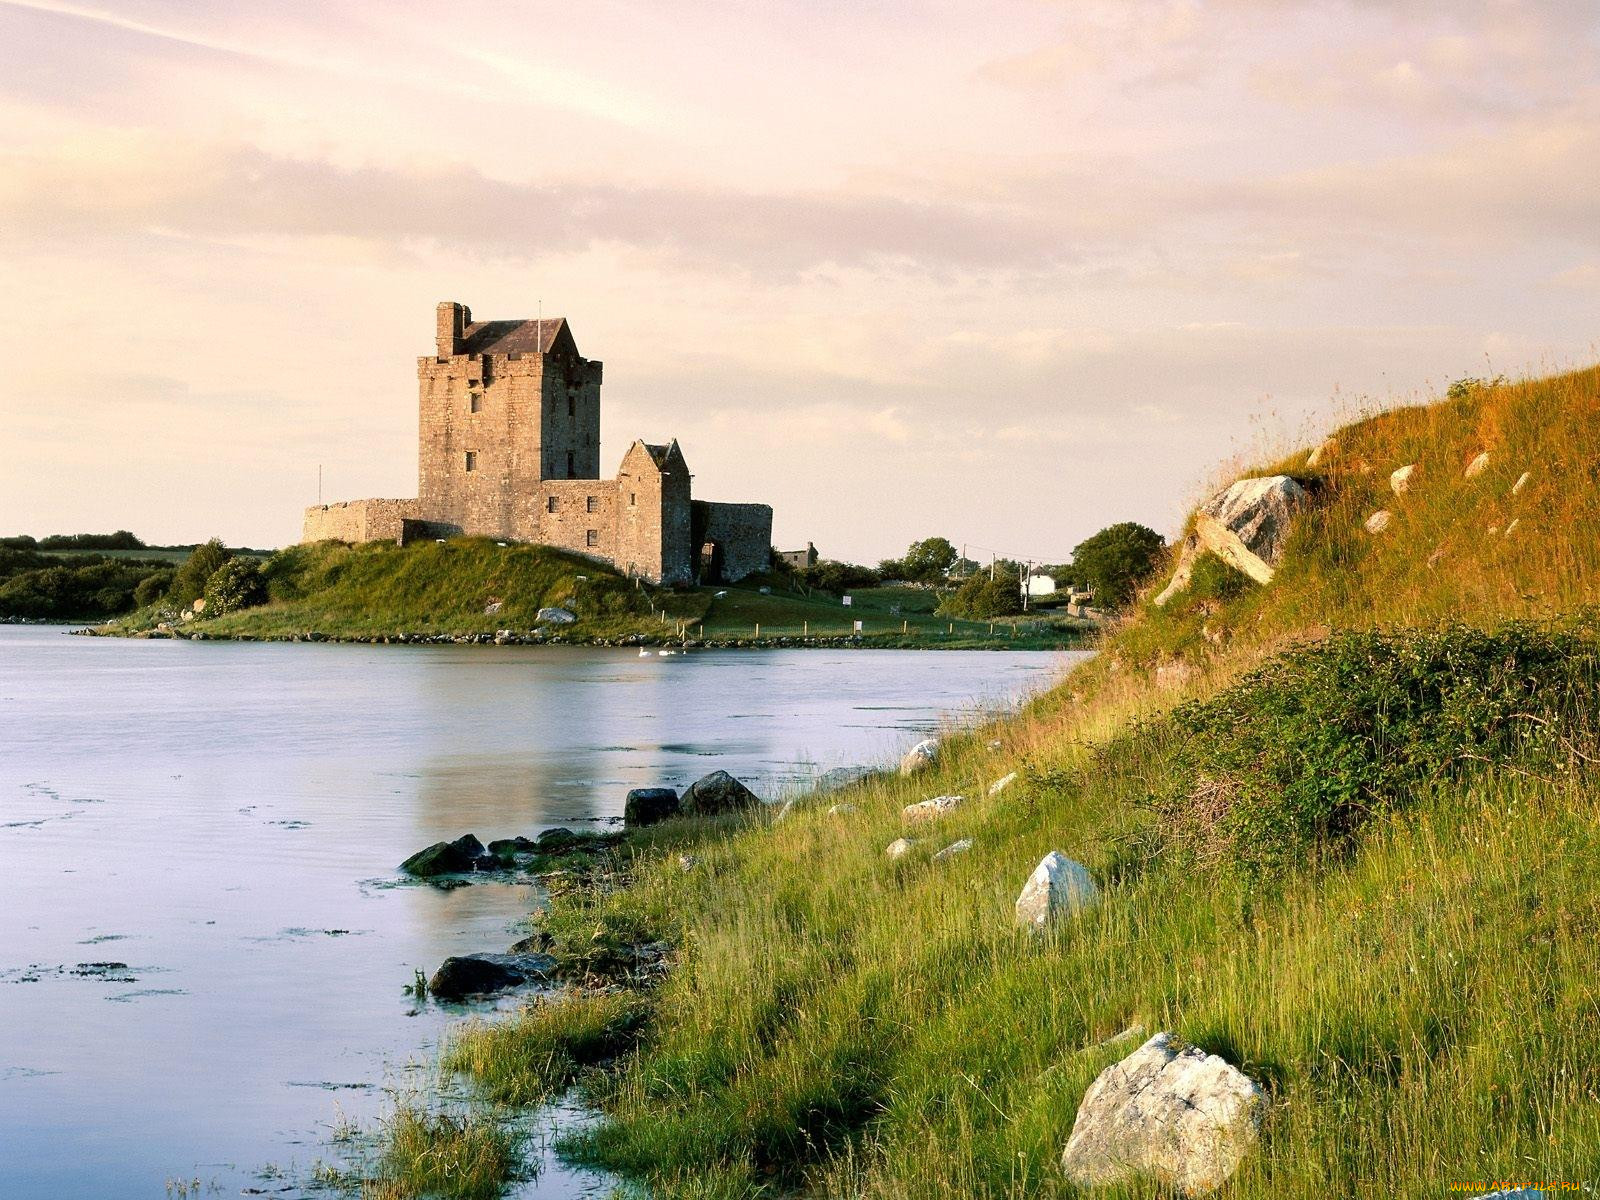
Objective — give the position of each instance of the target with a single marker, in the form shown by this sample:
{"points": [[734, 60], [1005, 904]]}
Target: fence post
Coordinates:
{"points": [[758, 630]]}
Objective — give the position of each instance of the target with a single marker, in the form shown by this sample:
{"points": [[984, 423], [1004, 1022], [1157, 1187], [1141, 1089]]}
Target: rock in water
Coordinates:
{"points": [[1246, 525], [920, 757], [647, 806], [483, 974], [448, 858], [1182, 1116], [717, 793], [1057, 886], [556, 616]]}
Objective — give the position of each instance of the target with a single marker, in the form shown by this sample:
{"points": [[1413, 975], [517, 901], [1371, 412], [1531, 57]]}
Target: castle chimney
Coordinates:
{"points": [[450, 327]]}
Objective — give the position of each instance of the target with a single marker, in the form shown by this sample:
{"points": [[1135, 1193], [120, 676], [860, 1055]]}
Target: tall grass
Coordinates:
{"points": [[1416, 983]]}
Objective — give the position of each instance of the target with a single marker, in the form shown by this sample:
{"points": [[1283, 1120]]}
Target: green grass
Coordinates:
{"points": [[1411, 970], [379, 591], [444, 1156], [542, 1049]]}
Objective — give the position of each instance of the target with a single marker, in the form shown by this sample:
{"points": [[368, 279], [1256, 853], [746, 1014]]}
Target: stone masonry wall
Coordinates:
{"points": [[578, 515], [359, 520], [742, 534]]}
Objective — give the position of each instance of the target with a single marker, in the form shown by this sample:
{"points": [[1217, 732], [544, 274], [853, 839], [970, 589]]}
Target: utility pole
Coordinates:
{"points": [[1027, 578]]}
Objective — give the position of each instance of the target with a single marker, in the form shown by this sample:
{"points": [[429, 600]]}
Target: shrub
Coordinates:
{"points": [[839, 576], [236, 584], [981, 598], [153, 587], [189, 584], [1292, 762], [1114, 561]]}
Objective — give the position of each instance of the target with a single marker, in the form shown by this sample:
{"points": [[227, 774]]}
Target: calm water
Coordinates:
{"points": [[225, 820]]}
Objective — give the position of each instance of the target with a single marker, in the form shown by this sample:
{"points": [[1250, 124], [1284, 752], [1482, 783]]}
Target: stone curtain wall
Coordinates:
{"points": [[582, 506], [359, 520], [743, 533]]}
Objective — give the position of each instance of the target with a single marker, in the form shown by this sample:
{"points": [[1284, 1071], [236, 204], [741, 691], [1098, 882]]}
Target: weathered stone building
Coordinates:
{"points": [[509, 448]]}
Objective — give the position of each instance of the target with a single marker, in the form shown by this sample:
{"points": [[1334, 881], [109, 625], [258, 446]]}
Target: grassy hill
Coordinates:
{"points": [[1347, 829], [479, 586]]}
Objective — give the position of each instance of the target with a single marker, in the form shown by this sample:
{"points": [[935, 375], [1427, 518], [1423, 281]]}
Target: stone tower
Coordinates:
{"points": [[503, 406]]}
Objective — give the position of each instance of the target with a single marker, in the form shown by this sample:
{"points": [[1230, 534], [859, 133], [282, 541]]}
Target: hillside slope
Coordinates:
{"points": [[1360, 867]]}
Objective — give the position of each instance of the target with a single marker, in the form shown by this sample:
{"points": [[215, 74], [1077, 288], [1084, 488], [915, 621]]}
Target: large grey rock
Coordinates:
{"points": [[1246, 525], [484, 974], [953, 849], [1178, 1115], [928, 810], [450, 858], [1058, 886], [920, 757], [556, 616], [647, 806], [717, 793]]}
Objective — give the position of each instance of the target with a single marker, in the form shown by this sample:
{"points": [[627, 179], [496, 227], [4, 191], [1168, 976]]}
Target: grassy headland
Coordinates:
{"points": [[1346, 827], [476, 587]]}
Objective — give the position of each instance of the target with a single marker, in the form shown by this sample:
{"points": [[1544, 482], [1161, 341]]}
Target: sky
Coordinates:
{"points": [[1004, 271]]}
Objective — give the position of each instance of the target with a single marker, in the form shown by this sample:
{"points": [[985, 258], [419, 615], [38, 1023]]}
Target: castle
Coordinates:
{"points": [[509, 448]]}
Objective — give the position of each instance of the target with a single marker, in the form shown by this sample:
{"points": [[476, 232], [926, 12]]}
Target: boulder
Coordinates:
{"points": [[1478, 465], [1001, 784], [1058, 886], [1246, 525], [556, 616], [1172, 1113], [927, 810], [449, 858], [899, 848], [840, 777], [509, 849], [532, 944], [647, 806], [1400, 481], [483, 974], [717, 793], [953, 849], [1378, 521], [558, 840], [920, 757], [1323, 453], [1522, 482]]}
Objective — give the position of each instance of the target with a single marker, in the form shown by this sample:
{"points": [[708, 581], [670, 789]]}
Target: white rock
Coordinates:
{"points": [[920, 757], [1001, 784], [1478, 465], [557, 616], [1400, 481], [900, 847], [1323, 453], [1522, 482], [953, 849], [1184, 1117], [1057, 886], [687, 862], [842, 810], [1379, 521], [1246, 525], [1515, 521], [928, 810]]}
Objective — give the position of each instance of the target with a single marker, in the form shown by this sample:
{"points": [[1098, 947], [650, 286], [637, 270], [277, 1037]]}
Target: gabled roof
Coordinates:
{"points": [[516, 337], [660, 456]]}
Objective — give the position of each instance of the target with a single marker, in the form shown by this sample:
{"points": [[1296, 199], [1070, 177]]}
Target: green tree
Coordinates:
{"points": [[189, 584], [1115, 560], [929, 560], [981, 598]]}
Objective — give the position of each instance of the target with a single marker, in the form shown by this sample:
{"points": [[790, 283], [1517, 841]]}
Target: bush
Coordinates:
{"points": [[1292, 762], [1114, 561], [840, 577], [189, 584], [80, 588], [153, 587], [981, 598], [236, 584]]}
